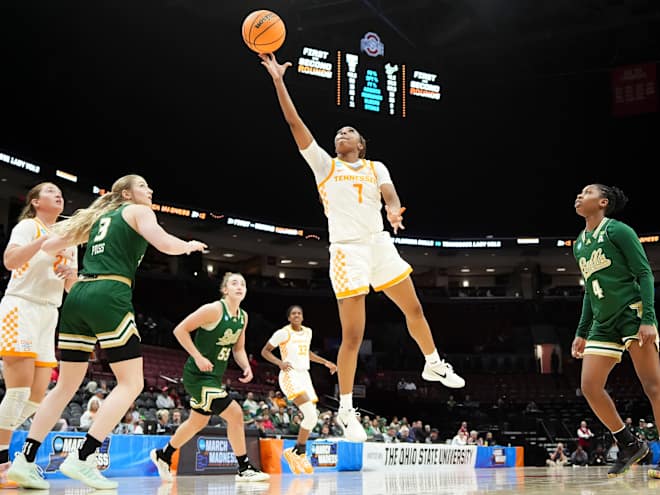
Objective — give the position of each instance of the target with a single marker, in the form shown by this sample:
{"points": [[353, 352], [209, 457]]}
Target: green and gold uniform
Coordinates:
{"points": [[215, 343], [619, 292], [99, 306]]}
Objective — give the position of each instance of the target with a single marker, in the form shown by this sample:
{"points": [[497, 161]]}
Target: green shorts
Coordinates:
{"points": [[207, 395], [611, 339], [101, 310]]}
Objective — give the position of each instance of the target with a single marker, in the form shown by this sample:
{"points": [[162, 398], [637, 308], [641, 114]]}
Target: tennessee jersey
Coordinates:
{"points": [[350, 193], [293, 345], [37, 280]]}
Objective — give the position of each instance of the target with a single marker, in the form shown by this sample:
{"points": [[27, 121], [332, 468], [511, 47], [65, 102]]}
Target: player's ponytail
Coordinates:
{"points": [[617, 200]]}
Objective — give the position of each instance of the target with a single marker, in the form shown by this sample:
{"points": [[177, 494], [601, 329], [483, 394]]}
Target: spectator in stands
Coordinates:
{"points": [[598, 456], [267, 423], [87, 418], [464, 429], [460, 438], [489, 441], [579, 457], [391, 435], [584, 436], [126, 426], [558, 457], [474, 438], [279, 399], [384, 269], [295, 380], [294, 424], [417, 432], [325, 432], [29, 312], [405, 436], [174, 395], [280, 418], [251, 403], [116, 229], [613, 262], [248, 417], [163, 399], [163, 422], [434, 437], [219, 328], [99, 394], [175, 421], [451, 402], [629, 424]]}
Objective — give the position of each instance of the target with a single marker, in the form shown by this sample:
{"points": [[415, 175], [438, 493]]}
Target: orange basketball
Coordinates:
{"points": [[263, 31]]}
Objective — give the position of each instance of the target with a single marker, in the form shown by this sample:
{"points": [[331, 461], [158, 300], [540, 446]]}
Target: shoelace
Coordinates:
{"points": [[447, 365]]}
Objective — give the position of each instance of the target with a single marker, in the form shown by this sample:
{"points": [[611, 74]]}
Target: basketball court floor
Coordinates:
{"points": [[416, 481]]}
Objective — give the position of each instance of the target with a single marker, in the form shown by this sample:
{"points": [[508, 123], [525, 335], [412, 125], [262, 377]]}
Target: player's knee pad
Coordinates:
{"points": [[28, 410], [12, 406], [310, 416]]}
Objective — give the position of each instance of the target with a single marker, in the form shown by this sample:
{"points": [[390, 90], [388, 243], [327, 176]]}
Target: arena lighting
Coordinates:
{"points": [[490, 270], [465, 270], [486, 242], [66, 176]]}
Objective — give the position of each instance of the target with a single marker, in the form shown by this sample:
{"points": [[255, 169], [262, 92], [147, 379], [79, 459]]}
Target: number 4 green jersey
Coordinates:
{"points": [[616, 275]]}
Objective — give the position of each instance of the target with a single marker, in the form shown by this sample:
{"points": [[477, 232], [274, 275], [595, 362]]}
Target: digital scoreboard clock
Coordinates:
{"points": [[370, 82]]}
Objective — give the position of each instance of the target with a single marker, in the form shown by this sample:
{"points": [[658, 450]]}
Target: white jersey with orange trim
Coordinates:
{"points": [[36, 280], [350, 193], [294, 345]]}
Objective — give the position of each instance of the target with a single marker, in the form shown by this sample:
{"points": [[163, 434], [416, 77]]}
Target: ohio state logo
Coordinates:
{"points": [[371, 45]]}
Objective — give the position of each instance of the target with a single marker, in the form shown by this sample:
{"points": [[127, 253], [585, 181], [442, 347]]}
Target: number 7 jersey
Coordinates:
{"points": [[350, 193], [613, 265]]}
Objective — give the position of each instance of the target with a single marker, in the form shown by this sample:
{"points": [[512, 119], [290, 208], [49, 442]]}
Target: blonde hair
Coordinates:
{"points": [[77, 227], [29, 211], [225, 280]]}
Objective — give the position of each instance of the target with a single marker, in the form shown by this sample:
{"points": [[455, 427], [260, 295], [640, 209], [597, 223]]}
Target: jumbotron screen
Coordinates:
{"points": [[367, 80]]}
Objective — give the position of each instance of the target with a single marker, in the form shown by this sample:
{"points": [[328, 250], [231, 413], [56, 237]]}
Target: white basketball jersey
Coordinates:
{"points": [[294, 345], [36, 280], [350, 193]]}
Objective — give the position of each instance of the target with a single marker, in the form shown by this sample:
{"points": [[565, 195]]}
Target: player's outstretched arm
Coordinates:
{"points": [[299, 130]]}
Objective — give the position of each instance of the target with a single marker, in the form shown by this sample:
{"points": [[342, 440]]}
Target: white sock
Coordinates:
{"points": [[346, 401], [432, 358]]}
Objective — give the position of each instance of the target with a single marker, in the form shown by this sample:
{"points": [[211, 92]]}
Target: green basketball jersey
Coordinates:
{"points": [[113, 248], [616, 274], [216, 344]]}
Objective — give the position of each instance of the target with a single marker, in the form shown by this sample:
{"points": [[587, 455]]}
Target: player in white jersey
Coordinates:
{"points": [[29, 311], [362, 253], [294, 341]]}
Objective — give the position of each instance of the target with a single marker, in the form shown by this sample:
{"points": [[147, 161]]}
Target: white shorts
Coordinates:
{"points": [[354, 266], [27, 329], [295, 383]]}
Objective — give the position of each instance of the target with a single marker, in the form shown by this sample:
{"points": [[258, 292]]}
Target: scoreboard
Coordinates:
{"points": [[367, 80]]}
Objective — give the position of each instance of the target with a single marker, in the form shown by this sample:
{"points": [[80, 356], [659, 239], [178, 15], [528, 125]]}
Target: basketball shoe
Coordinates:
{"points": [[442, 372]]}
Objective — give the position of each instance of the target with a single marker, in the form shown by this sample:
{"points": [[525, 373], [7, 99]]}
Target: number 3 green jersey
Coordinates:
{"points": [[616, 275]]}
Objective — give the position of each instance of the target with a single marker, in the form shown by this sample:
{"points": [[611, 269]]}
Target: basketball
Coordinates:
{"points": [[263, 31]]}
